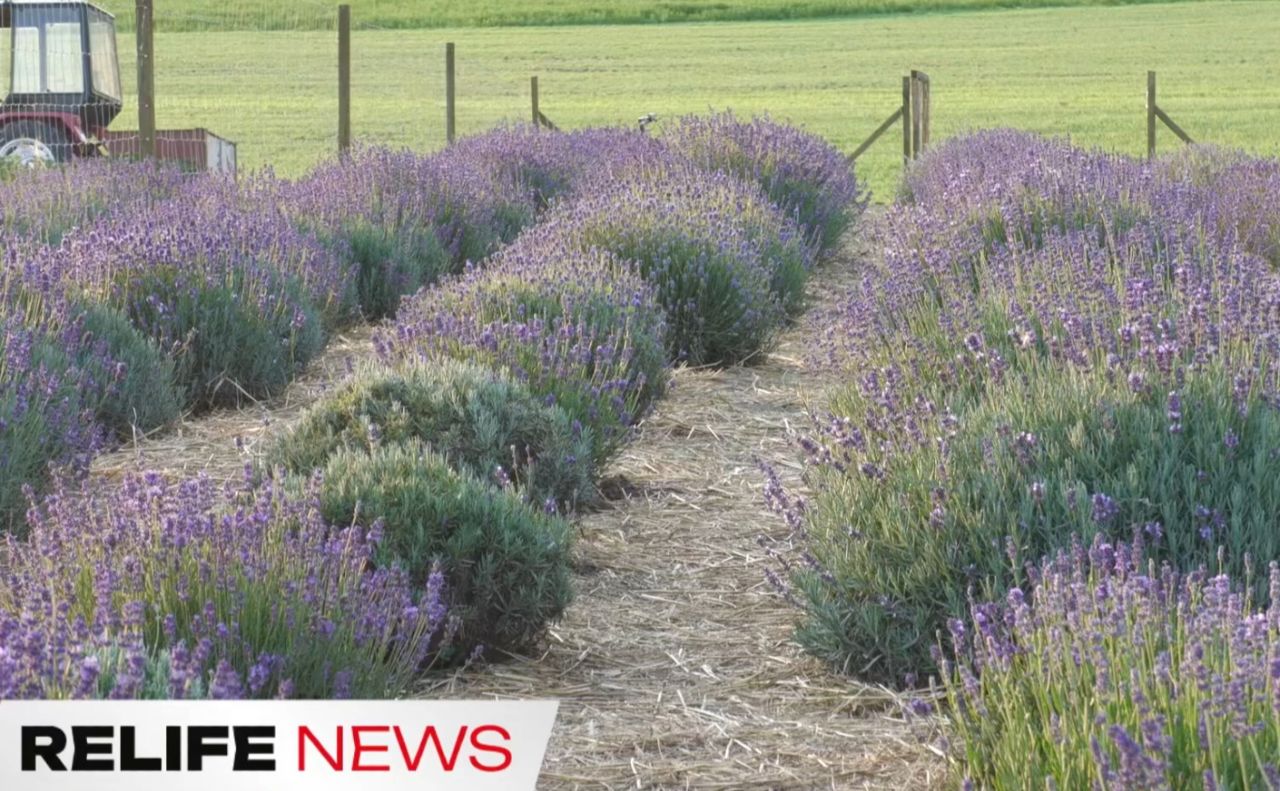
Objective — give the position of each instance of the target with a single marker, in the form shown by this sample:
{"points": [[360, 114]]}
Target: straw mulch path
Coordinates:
{"points": [[219, 444], [674, 665]]}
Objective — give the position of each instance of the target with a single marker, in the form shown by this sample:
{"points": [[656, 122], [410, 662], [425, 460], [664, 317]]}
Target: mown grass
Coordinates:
{"points": [[202, 15], [1076, 71]]}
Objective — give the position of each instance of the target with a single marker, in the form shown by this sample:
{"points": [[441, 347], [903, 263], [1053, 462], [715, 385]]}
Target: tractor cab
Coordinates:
{"points": [[61, 76]]}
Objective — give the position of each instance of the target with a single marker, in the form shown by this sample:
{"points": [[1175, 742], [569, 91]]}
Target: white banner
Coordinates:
{"points": [[269, 745]]}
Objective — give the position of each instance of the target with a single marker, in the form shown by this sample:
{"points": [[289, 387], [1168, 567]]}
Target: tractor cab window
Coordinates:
{"points": [[47, 54], [64, 58], [26, 60], [102, 57]]}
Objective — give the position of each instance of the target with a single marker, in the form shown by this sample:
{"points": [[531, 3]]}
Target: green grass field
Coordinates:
{"points": [[203, 15], [1076, 71]]}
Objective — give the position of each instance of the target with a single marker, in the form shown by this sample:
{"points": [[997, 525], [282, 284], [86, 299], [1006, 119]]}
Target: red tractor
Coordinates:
{"points": [[59, 66]]}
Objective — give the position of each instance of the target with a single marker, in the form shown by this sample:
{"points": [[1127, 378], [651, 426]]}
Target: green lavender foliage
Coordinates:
{"points": [[1033, 462], [224, 346], [140, 391], [1118, 672], [475, 418], [388, 265], [505, 562]]}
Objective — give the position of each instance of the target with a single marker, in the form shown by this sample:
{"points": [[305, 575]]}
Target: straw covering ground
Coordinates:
{"points": [[674, 666]]}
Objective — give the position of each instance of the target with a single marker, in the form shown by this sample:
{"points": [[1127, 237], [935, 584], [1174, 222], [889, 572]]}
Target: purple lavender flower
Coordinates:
{"points": [[804, 175], [265, 566], [1105, 509]]}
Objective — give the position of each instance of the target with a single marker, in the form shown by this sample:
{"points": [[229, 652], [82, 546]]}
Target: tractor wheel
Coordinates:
{"points": [[33, 143]]}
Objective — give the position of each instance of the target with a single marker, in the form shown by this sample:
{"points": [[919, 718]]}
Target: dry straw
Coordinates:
{"points": [[674, 666]]}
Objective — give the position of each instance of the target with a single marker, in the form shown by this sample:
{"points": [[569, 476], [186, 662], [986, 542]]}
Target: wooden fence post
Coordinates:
{"points": [[450, 128], [1151, 114], [926, 113], [344, 79], [533, 94], [917, 112], [145, 22], [906, 120]]}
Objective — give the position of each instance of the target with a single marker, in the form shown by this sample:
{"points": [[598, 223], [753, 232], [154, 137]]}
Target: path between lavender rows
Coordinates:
{"points": [[674, 665]]}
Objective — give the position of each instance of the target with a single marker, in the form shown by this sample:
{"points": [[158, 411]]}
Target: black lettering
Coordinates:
{"points": [[246, 748], [43, 742], [173, 748], [129, 760], [197, 748], [82, 760]]}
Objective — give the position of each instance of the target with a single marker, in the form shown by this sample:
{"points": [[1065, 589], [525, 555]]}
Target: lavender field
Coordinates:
{"points": [[1046, 484], [1034, 508], [419, 516]]}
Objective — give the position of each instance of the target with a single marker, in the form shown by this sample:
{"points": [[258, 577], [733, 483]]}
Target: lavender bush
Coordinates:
{"points": [[1238, 196], [1052, 353], [469, 208], [233, 295], [476, 418], [44, 419], [576, 328], [506, 562], [176, 590], [1114, 672], [129, 379], [124, 379], [474, 209], [44, 204], [369, 210], [900, 539], [805, 176], [726, 266], [71, 374], [547, 166]]}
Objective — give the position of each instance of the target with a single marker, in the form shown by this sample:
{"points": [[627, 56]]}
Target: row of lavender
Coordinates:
{"points": [[132, 294], [416, 514], [1061, 351], [527, 373]]}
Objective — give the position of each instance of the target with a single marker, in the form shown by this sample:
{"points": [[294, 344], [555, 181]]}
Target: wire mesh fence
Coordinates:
{"points": [[59, 68], [243, 84], [252, 84], [266, 77]]}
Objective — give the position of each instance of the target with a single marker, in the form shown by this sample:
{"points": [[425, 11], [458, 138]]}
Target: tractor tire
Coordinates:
{"points": [[53, 137]]}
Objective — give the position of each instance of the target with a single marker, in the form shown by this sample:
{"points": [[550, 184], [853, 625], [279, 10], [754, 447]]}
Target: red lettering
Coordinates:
{"points": [[305, 734], [430, 735], [491, 748], [361, 748]]}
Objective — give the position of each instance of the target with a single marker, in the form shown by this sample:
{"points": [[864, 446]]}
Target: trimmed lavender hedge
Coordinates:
{"points": [[1117, 673], [179, 589], [726, 266], [805, 176], [505, 562], [1055, 342], [576, 328], [475, 417]]}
